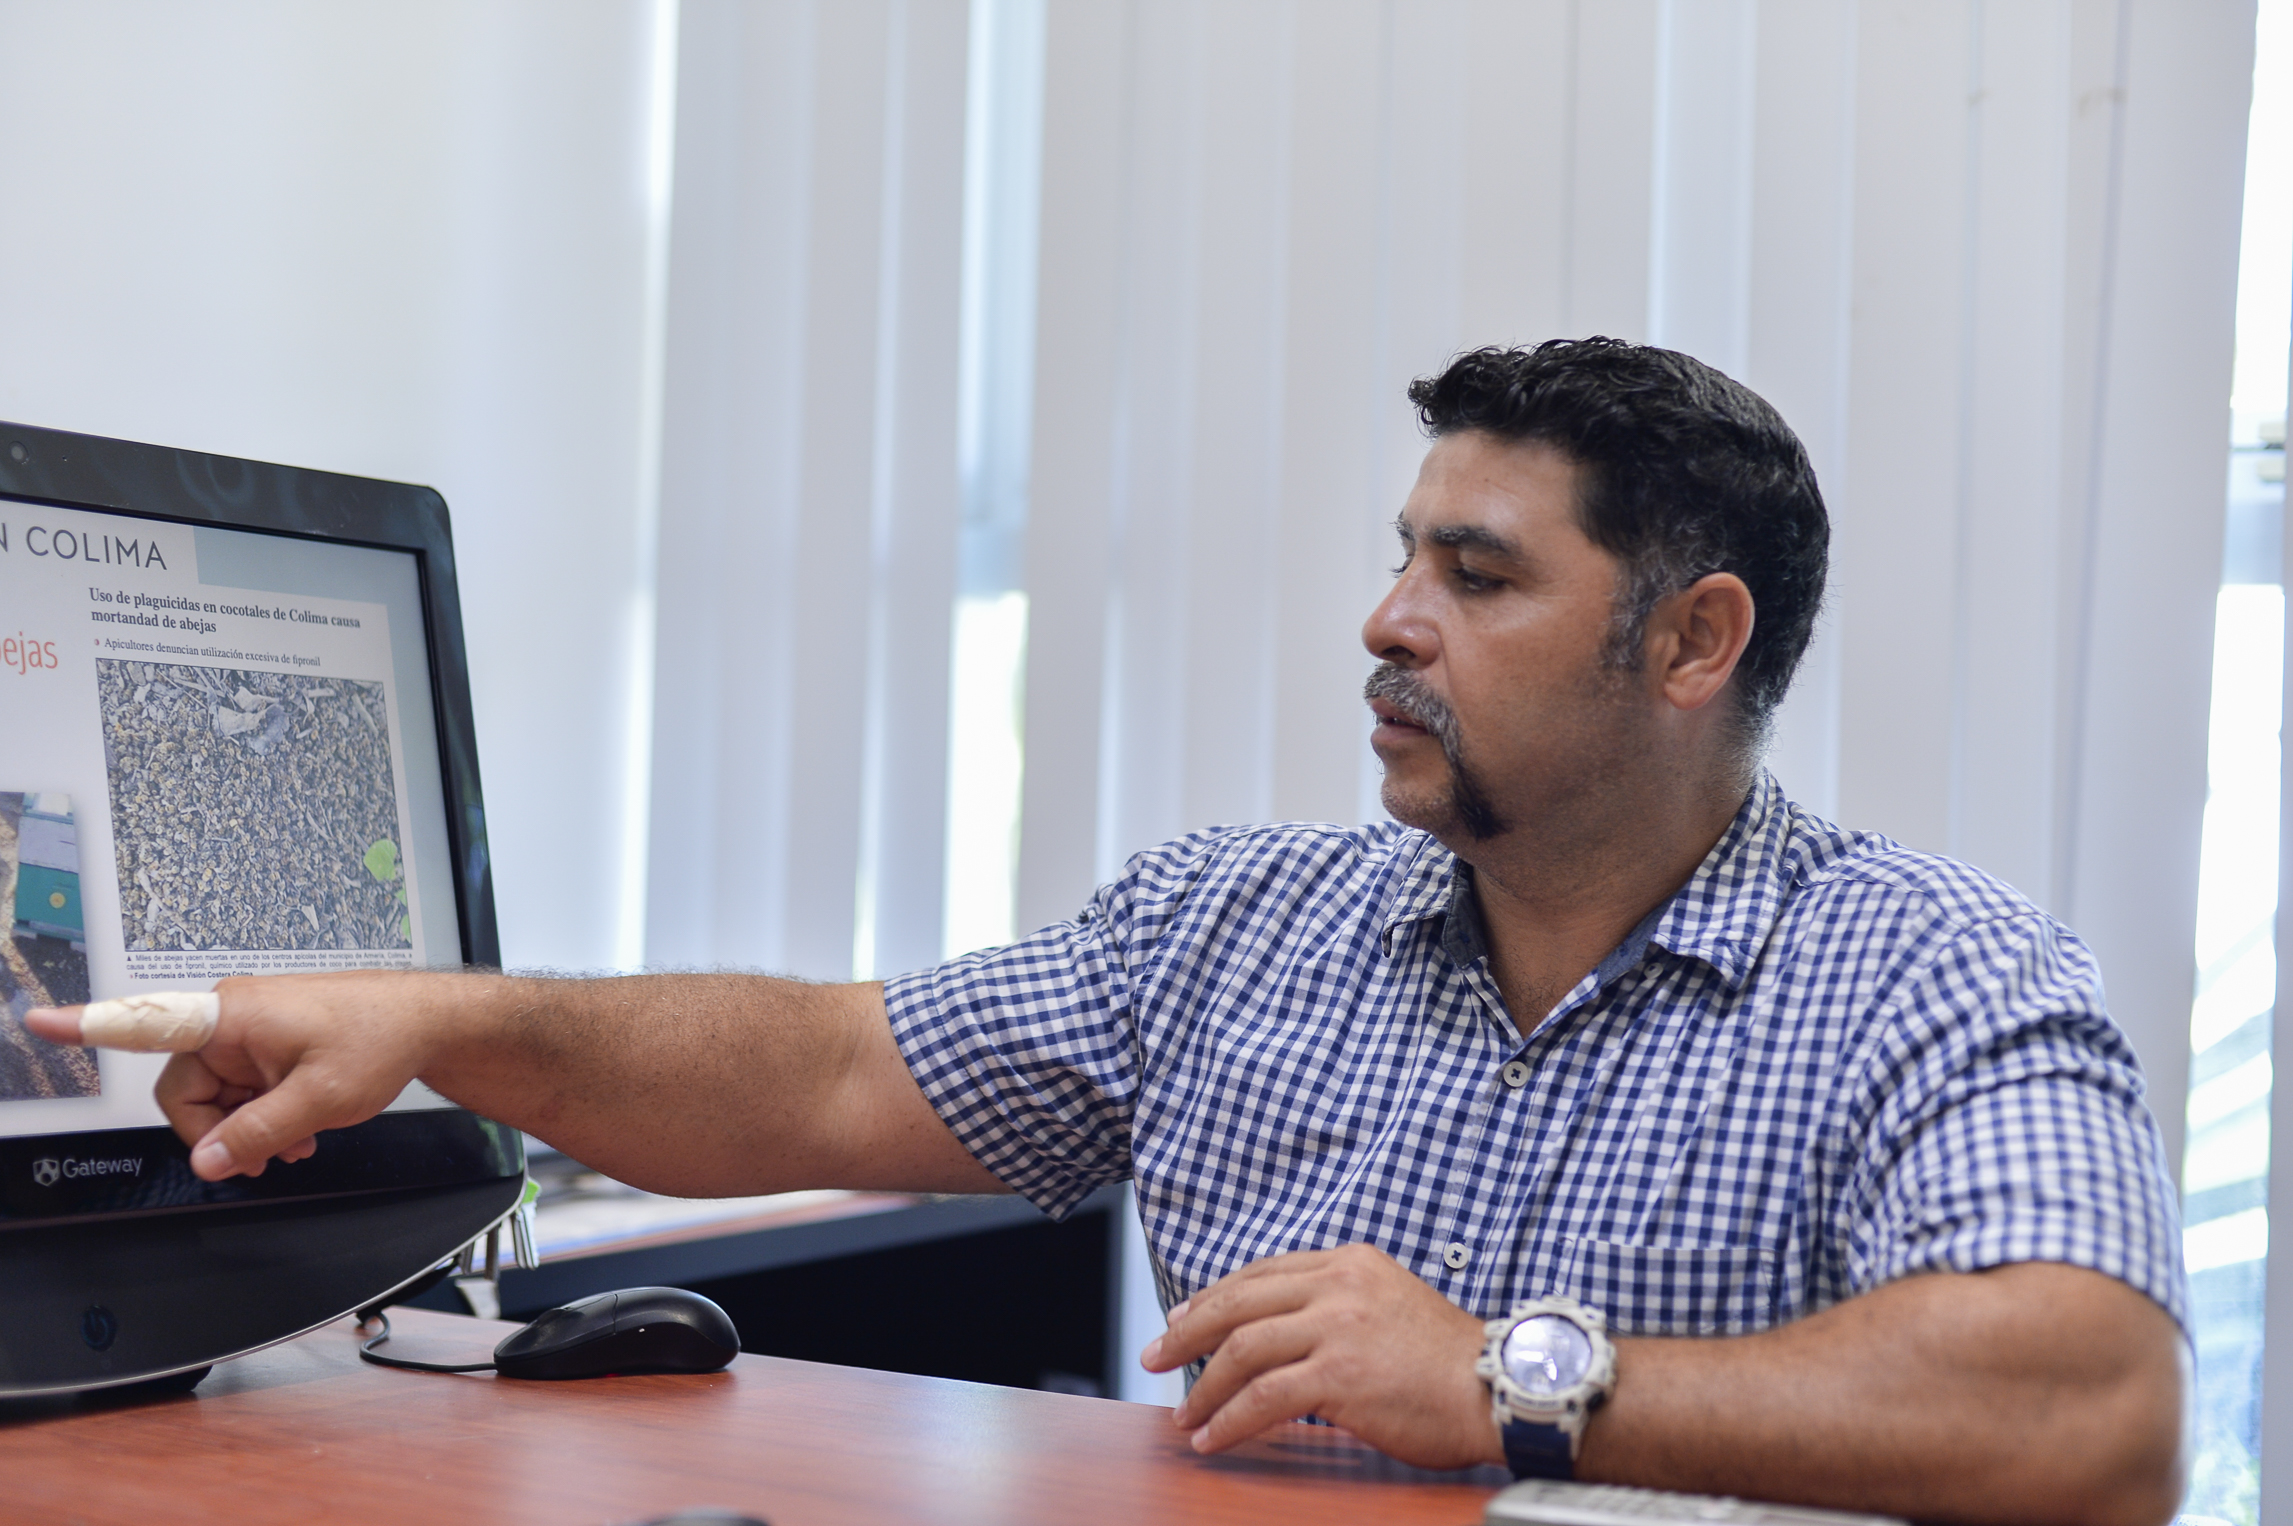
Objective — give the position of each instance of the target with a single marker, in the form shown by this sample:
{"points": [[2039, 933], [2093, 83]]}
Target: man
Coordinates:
{"points": [[1835, 1137]]}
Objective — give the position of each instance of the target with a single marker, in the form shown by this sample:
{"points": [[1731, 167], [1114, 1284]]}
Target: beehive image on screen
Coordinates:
{"points": [[251, 810], [44, 957]]}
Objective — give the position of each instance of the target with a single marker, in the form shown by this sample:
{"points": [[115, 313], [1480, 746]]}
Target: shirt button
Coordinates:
{"points": [[1516, 1074], [1456, 1256]]}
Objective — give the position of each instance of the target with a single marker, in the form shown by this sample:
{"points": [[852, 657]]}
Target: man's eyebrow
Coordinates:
{"points": [[1472, 538]]}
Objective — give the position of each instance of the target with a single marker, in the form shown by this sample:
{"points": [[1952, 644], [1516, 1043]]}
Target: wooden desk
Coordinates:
{"points": [[306, 1432]]}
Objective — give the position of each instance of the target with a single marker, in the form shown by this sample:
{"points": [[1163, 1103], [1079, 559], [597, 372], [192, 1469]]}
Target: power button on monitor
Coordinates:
{"points": [[99, 1327]]}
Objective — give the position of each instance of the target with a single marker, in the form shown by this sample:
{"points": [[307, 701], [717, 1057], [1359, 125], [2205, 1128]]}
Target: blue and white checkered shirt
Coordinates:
{"points": [[1825, 1063]]}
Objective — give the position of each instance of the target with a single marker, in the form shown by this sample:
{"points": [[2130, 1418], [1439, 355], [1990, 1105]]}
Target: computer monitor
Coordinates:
{"points": [[235, 738]]}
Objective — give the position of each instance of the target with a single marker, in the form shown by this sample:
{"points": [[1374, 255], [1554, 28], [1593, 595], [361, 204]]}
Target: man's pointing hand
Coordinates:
{"points": [[286, 1057]]}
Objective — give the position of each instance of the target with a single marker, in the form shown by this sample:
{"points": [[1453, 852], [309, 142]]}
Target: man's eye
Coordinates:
{"points": [[1477, 582]]}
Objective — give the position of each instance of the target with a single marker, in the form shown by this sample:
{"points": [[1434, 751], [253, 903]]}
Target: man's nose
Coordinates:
{"points": [[1397, 631]]}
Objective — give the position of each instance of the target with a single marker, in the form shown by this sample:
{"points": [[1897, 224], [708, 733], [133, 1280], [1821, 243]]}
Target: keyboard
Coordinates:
{"points": [[1544, 1502]]}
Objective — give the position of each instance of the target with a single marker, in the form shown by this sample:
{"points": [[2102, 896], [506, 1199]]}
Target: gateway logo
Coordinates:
{"points": [[48, 1170]]}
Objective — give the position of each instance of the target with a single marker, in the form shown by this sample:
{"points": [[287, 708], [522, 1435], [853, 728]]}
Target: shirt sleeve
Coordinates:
{"points": [[1030, 1053], [2006, 1123]]}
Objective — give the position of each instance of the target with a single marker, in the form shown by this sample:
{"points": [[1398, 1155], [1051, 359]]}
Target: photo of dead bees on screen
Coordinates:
{"points": [[251, 810], [44, 948]]}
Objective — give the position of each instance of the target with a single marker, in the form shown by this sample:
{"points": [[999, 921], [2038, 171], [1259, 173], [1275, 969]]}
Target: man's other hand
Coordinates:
{"points": [[291, 1055], [1348, 1335]]}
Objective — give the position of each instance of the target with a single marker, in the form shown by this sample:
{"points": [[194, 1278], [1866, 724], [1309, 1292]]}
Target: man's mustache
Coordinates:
{"points": [[1410, 695]]}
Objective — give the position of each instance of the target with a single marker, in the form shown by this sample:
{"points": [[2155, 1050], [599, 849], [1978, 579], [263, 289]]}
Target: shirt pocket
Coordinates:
{"points": [[1673, 1289]]}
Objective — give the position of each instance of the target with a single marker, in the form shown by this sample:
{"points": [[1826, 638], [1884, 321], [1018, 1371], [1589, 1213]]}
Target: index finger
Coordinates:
{"points": [[154, 1022], [58, 1025]]}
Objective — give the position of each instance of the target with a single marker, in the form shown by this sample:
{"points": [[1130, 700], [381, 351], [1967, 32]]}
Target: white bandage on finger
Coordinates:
{"points": [[159, 1023]]}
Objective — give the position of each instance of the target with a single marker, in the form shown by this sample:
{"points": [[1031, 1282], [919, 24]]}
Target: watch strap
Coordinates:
{"points": [[1533, 1450]]}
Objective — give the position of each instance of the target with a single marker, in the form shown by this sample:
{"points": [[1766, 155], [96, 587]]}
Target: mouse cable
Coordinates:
{"points": [[366, 1350]]}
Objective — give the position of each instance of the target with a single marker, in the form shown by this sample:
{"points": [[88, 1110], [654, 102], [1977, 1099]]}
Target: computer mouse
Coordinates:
{"points": [[634, 1330]]}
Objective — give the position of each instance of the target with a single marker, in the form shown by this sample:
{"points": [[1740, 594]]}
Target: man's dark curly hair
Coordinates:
{"points": [[1683, 473]]}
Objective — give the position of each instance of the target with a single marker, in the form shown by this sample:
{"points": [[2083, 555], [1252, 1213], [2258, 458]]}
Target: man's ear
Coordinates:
{"points": [[1698, 635]]}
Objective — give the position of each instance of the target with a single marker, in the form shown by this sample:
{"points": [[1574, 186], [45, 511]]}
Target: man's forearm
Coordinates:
{"points": [[2030, 1393], [692, 1084], [2034, 1392]]}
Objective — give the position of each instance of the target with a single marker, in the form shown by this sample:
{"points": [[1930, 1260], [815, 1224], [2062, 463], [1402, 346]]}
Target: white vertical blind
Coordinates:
{"points": [[1800, 281], [809, 500], [916, 495], [2264, 382], [2154, 477]]}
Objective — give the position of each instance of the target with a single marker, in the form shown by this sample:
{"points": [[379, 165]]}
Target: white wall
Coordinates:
{"points": [[402, 240]]}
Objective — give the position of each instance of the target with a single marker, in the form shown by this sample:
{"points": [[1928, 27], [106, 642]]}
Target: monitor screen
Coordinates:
{"points": [[220, 759]]}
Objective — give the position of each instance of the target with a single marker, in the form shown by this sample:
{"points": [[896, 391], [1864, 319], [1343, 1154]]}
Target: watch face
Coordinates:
{"points": [[1547, 1354]]}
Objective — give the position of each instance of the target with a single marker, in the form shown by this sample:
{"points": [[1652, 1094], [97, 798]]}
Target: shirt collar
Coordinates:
{"points": [[1721, 916], [1724, 913], [1428, 889]]}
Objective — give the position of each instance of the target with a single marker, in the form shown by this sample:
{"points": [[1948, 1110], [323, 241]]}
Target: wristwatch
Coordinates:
{"points": [[1549, 1364]]}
